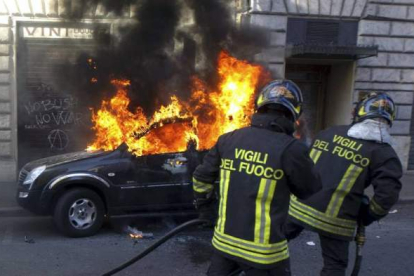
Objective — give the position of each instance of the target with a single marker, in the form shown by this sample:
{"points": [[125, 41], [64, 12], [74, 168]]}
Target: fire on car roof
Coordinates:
{"points": [[202, 118]]}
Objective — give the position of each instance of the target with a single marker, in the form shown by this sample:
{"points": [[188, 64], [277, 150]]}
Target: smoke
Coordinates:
{"points": [[159, 51], [138, 52], [217, 31], [214, 25]]}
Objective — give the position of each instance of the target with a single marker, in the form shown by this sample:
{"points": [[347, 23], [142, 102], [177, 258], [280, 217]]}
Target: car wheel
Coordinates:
{"points": [[79, 213]]}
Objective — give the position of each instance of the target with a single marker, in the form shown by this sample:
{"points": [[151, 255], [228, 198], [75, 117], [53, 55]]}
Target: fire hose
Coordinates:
{"points": [[360, 241], [165, 238]]}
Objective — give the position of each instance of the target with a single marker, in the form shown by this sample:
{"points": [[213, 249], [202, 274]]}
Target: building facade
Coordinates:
{"points": [[335, 49], [36, 39]]}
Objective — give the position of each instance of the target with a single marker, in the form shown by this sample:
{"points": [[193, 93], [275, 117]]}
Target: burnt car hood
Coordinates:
{"points": [[63, 158]]}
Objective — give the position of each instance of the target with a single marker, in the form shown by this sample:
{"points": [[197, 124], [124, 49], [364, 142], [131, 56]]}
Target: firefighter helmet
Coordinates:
{"points": [[282, 92], [375, 105]]}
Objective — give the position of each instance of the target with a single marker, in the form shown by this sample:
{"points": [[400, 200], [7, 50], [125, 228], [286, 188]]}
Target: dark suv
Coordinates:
{"points": [[80, 189]]}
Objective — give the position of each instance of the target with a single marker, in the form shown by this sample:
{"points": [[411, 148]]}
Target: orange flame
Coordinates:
{"points": [[202, 119], [232, 105]]}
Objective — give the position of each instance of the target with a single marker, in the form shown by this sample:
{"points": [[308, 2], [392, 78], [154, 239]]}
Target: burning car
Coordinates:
{"points": [[139, 164], [80, 189]]}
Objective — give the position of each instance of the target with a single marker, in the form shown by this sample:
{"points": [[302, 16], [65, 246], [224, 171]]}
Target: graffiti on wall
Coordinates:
{"points": [[50, 112], [51, 116]]}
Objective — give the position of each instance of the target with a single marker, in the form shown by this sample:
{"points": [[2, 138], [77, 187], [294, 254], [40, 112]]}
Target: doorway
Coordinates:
{"points": [[327, 87], [313, 81]]}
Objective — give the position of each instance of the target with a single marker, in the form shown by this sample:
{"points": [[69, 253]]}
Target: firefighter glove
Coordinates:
{"points": [[207, 209], [365, 217]]}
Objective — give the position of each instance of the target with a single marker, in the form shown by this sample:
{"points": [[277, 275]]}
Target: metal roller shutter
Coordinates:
{"points": [[51, 119]]}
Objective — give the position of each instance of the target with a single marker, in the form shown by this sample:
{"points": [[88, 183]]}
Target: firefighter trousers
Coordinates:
{"points": [[334, 251], [335, 256], [221, 266]]}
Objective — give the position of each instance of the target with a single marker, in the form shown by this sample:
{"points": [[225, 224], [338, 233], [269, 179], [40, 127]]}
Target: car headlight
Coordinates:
{"points": [[33, 174]]}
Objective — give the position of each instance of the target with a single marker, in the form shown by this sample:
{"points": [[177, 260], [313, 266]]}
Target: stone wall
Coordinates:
{"points": [[46, 9], [7, 118], [386, 23], [390, 25], [273, 14]]}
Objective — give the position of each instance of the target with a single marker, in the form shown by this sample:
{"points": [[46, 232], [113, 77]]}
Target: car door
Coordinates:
{"points": [[168, 179], [157, 182]]}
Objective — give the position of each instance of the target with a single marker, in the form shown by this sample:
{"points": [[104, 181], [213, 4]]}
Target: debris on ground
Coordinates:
{"points": [[134, 233], [28, 240], [393, 211], [378, 237], [310, 243]]}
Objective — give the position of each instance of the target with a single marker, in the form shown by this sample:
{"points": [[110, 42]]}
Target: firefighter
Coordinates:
{"points": [[258, 167], [348, 160]]}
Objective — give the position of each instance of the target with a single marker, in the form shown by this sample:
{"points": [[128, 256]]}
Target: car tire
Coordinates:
{"points": [[79, 213]]}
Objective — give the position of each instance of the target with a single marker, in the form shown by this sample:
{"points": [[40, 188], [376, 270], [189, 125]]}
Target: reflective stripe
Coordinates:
{"points": [[376, 208], [323, 217], [250, 245], [318, 224], [201, 187], [224, 187], [318, 154], [262, 258], [271, 185], [263, 221], [220, 213], [315, 154], [312, 154], [343, 189]]}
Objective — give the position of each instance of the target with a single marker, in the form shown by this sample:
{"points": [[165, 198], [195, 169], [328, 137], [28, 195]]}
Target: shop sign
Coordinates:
{"points": [[58, 32]]}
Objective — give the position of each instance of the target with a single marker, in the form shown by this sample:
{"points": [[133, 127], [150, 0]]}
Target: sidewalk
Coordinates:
{"points": [[14, 212], [407, 192], [9, 207]]}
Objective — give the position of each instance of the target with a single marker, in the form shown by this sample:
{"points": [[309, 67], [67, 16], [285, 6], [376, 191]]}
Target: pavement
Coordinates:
{"points": [[32, 246], [9, 207], [407, 193]]}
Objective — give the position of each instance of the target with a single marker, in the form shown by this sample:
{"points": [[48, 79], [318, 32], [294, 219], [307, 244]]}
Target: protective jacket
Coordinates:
{"points": [[347, 166], [258, 167]]}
